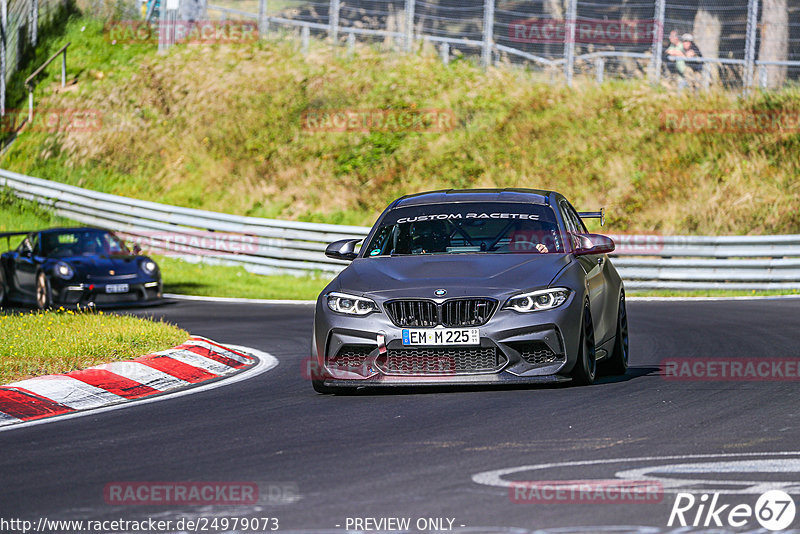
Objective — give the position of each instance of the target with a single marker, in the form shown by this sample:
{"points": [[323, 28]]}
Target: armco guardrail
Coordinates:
{"points": [[268, 245]]}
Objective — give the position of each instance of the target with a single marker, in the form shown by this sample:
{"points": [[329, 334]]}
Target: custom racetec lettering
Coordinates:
{"points": [[452, 216]]}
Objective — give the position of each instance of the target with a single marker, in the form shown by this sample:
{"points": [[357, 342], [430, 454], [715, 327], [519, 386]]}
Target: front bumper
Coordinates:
{"points": [[537, 347], [96, 294]]}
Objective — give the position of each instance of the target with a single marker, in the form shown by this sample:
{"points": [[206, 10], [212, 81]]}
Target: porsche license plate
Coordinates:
{"points": [[441, 336], [117, 288]]}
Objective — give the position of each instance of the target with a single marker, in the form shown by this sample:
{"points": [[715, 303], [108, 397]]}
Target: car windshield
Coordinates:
{"points": [[82, 243], [459, 228]]}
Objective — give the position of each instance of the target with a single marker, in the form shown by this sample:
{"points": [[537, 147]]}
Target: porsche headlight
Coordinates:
{"points": [[63, 270], [350, 304], [543, 299], [149, 266]]}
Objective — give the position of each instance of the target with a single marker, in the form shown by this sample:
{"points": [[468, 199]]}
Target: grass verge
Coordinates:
{"points": [[226, 281], [59, 341]]}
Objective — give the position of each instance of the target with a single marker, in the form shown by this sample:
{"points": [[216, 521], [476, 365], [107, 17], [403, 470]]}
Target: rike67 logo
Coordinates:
{"points": [[774, 510]]}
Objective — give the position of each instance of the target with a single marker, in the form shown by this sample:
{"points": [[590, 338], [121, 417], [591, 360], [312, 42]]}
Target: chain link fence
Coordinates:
{"points": [[743, 43]]}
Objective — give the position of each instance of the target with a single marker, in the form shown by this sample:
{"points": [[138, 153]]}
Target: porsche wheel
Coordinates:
{"points": [[585, 370], [617, 364], [2, 294], [44, 295]]}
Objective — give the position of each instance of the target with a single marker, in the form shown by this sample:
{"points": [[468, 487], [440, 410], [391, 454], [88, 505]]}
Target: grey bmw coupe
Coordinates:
{"points": [[471, 287]]}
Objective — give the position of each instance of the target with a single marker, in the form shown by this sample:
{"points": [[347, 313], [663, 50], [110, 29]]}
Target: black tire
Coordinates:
{"points": [[617, 364], [44, 294], [320, 387], [585, 370], [2, 293]]}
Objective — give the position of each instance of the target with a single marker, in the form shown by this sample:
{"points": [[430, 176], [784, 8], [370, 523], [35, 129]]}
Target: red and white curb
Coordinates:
{"points": [[195, 361]]}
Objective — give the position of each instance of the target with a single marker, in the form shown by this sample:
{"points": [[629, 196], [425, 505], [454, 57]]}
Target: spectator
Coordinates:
{"points": [[675, 48], [690, 50]]}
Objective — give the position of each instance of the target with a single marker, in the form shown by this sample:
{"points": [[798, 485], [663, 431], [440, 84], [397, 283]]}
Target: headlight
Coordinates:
{"points": [[149, 266], [543, 299], [350, 304], [63, 270]]}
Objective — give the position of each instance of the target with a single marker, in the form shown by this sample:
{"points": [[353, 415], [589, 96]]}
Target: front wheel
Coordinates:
{"points": [[44, 295], [585, 370], [2, 294], [617, 364]]}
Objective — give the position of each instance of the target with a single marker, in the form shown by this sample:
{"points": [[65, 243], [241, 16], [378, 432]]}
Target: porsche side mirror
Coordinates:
{"points": [[137, 250], [344, 249], [592, 244]]}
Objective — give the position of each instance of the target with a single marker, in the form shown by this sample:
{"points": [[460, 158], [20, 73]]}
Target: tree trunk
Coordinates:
{"points": [[774, 39]]}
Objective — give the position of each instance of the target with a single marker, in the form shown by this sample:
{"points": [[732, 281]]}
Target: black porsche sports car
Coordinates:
{"points": [[471, 287], [69, 266]]}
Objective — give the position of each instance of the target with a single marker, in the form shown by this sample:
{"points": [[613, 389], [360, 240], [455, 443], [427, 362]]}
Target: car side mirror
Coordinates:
{"points": [[592, 244], [137, 250], [344, 249]]}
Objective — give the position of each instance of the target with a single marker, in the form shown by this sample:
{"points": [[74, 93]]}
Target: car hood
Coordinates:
{"points": [[102, 265], [462, 275]]}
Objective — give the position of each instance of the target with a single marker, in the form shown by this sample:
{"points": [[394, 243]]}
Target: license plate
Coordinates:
{"points": [[441, 336], [117, 288]]}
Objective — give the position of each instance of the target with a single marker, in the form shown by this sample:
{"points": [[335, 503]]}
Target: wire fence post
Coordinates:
{"points": [[750, 45], [34, 21], [3, 65], [263, 19], [658, 40], [569, 41], [488, 32], [409, 29], [333, 20]]}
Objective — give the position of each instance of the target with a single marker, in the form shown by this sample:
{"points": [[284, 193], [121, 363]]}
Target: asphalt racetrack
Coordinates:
{"points": [[431, 453]]}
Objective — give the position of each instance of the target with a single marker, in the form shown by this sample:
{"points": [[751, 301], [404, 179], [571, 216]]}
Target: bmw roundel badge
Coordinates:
{"points": [[440, 292]]}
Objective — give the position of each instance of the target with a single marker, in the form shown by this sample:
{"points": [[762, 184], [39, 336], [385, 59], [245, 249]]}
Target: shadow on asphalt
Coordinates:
{"points": [[631, 374]]}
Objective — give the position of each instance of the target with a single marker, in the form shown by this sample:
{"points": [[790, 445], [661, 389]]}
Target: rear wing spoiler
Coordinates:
{"points": [[594, 215]]}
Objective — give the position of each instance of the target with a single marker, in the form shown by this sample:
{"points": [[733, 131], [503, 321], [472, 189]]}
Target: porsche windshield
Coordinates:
{"points": [[460, 228], [82, 243]]}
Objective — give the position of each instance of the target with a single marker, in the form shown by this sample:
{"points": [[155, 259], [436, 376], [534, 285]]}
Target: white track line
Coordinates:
{"points": [[686, 299], [265, 362], [238, 300]]}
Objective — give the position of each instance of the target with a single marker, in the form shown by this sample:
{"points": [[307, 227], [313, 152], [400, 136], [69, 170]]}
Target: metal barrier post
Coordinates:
{"points": [[445, 52], [488, 32], [304, 37], [263, 19], [333, 20], [569, 41], [750, 44], [409, 29], [599, 67]]}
